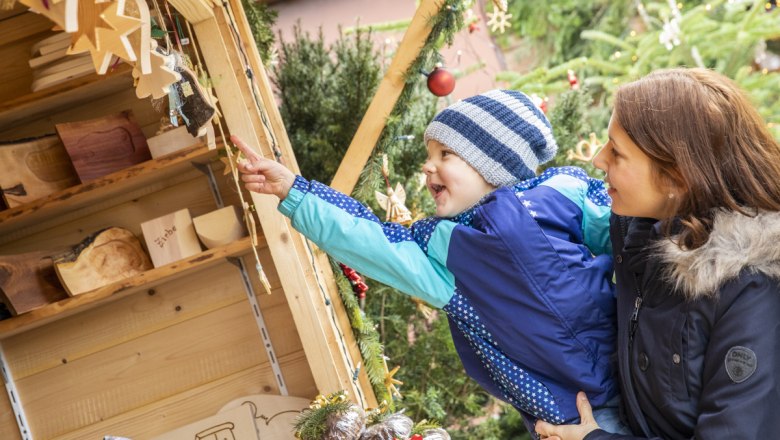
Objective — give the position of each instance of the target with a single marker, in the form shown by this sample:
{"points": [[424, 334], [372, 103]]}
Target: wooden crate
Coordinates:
{"points": [[172, 345]]}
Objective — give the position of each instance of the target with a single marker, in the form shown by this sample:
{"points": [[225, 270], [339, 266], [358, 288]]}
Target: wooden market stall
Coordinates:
{"points": [[171, 344]]}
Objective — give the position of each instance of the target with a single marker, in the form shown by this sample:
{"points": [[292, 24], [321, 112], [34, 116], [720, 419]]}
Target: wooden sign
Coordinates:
{"points": [[274, 415], [104, 257], [220, 227], [104, 145], [28, 281], [235, 424], [171, 237], [34, 168]]}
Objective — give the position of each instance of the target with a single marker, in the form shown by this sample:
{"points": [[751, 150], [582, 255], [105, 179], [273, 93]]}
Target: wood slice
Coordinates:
{"points": [[104, 145], [104, 257], [220, 227], [28, 281], [33, 169], [171, 237], [61, 76]]}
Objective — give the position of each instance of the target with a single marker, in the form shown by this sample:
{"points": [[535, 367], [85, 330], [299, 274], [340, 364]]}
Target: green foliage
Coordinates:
{"points": [[324, 91], [311, 423], [570, 127], [261, 19]]}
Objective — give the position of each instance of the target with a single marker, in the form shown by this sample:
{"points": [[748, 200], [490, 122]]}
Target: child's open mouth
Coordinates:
{"points": [[436, 189]]}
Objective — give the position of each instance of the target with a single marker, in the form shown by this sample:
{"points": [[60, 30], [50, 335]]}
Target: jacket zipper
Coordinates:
{"points": [[634, 321]]}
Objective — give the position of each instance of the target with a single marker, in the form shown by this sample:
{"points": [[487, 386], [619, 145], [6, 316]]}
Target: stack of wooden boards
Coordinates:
{"points": [[52, 65]]}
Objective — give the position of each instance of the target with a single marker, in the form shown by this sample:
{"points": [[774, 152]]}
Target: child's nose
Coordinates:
{"points": [[428, 167]]}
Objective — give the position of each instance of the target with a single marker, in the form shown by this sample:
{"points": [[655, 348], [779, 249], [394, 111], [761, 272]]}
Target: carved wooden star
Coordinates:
{"points": [[103, 31], [499, 20]]}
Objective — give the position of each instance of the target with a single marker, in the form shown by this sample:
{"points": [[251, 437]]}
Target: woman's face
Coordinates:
{"points": [[633, 187]]}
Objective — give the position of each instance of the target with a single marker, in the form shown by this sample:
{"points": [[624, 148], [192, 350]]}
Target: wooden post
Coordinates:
{"points": [[385, 98]]}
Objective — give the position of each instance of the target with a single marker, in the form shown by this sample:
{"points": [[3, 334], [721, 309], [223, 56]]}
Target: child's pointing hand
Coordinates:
{"points": [[262, 175]]}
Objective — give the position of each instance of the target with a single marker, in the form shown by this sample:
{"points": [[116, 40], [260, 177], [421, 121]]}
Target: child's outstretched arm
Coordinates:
{"points": [[263, 175], [352, 234]]}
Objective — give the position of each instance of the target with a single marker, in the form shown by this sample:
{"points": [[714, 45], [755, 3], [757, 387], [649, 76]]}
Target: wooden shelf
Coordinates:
{"points": [[31, 217], [120, 289], [71, 93]]}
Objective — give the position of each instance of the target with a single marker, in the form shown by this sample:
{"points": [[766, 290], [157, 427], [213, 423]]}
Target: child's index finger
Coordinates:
{"points": [[249, 153]]}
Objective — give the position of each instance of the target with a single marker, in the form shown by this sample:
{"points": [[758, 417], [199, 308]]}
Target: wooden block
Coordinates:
{"points": [[104, 145], [235, 424], [58, 38], [62, 76], [64, 64], [46, 59], [104, 257], [171, 237], [177, 139], [28, 281], [220, 227], [33, 169], [274, 415]]}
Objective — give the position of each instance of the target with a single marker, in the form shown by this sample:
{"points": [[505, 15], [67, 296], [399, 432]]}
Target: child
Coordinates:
{"points": [[531, 309]]}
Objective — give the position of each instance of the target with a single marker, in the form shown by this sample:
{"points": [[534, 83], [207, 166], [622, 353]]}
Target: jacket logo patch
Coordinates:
{"points": [[741, 363]]}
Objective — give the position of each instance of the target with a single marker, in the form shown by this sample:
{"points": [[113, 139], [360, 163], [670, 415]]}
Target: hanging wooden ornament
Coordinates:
{"points": [[157, 83], [394, 201], [499, 20], [64, 13], [103, 30], [585, 150]]}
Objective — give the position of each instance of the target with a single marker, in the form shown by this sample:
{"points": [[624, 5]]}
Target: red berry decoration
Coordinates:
{"points": [[359, 287], [473, 26], [441, 82], [416, 437]]}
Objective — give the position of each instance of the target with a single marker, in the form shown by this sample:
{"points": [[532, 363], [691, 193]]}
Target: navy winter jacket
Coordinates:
{"points": [[530, 307], [700, 358]]}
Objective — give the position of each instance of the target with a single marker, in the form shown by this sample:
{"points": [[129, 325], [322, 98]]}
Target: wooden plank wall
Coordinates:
{"points": [[135, 367], [155, 360]]}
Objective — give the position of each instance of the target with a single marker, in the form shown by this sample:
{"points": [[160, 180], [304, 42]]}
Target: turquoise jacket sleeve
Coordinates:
{"points": [[592, 198], [386, 252]]}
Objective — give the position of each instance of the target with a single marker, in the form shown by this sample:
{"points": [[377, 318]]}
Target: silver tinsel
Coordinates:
{"points": [[435, 434], [393, 426], [346, 426]]}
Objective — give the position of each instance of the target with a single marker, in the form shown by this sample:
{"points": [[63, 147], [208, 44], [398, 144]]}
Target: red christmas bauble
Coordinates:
{"points": [[441, 82], [416, 437]]}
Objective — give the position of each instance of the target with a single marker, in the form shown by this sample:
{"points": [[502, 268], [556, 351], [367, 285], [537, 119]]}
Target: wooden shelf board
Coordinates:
{"points": [[107, 187], [71, 93], [120, 289]]}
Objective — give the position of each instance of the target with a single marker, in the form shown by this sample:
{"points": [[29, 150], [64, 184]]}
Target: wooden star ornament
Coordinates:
{"points": [[499, 20], [103, 31]]}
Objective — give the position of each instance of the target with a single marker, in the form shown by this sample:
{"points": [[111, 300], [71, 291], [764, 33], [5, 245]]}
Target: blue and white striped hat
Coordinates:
{"points": [[501, 134]]}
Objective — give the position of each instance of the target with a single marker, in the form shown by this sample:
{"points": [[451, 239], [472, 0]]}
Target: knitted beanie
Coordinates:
{"points": [[501, 134]]}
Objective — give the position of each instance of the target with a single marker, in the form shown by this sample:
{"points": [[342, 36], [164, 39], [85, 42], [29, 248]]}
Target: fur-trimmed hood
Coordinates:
{"points": [[736, 242]]}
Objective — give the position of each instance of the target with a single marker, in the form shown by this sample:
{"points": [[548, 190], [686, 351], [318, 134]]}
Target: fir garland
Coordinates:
{"points": [[444, 25]]}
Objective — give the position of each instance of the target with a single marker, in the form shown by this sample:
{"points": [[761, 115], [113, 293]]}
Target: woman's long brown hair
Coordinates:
{"points": [[706, 139]]}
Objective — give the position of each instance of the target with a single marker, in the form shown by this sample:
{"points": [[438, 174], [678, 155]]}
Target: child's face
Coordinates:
{"points": [[633, 187], [453, 183]]}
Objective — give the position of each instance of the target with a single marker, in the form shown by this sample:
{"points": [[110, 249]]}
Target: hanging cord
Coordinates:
{"points": [[252, 84], [247, 209], [173, 24], [163, 26], [239, 43]]}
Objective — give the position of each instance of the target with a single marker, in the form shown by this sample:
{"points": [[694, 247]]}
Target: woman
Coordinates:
{"points": [[694, 178]]}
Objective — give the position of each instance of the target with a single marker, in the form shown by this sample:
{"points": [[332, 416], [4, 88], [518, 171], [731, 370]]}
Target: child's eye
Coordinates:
{"points": [[445, 153]]}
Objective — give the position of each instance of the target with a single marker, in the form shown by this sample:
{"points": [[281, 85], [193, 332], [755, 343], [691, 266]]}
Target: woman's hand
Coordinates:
{"points": [[263, 175], [570, 432]]}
